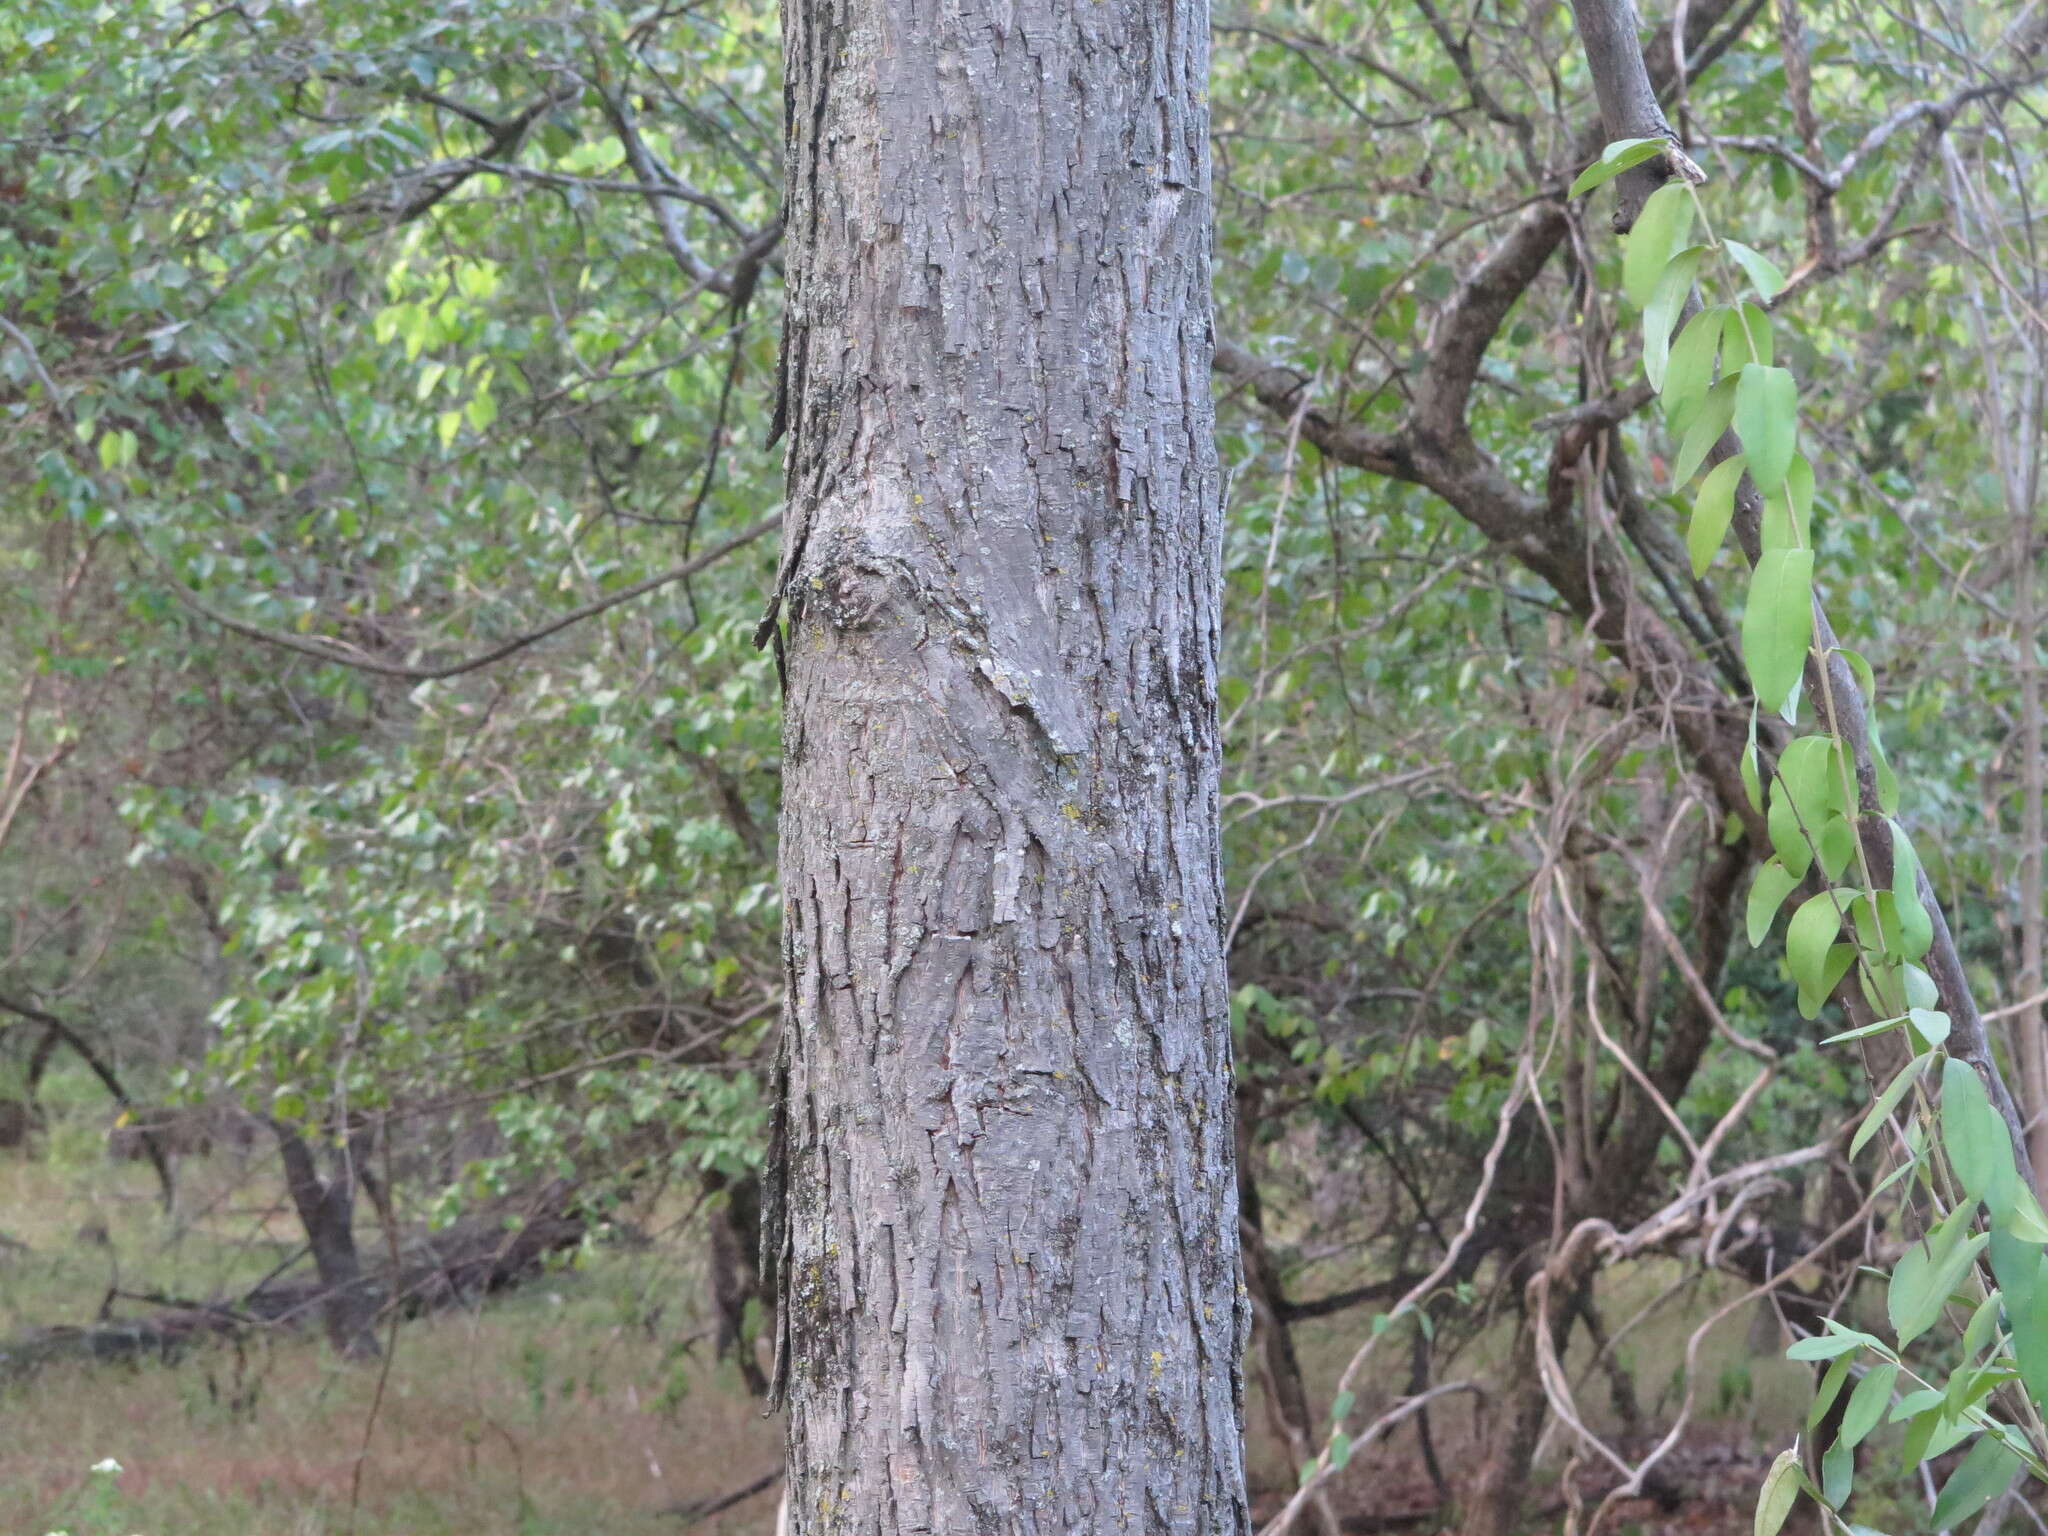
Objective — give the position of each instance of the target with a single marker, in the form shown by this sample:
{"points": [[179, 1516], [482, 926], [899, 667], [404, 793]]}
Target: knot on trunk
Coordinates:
{"points": [[854, 587]]}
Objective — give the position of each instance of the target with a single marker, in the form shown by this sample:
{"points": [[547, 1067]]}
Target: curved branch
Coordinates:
{"points": [[105, 1073], [334, 651], [1279, 389]]}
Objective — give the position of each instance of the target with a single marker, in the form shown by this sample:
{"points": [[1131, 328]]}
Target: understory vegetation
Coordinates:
{"points": [[591, 1397]]}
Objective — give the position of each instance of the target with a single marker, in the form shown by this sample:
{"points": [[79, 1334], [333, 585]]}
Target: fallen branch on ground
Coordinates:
{"points": [[459, 1265]]}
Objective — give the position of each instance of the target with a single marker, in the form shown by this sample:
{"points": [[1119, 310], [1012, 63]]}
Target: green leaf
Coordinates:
{"points": [[1931, 1024], [2018, 1266], [1752, 783], [1667, 298], [1865, 1031], [1927, 1272], [1778, 624], [1887, 781], [1810, 936], [1788, 837], [1690, 373], [1799, 492], [1974, 1135], [1662, 230], [1779, 528], [1711, 510], [1773, 883], [1812, 999], [1984, 1474], [2023, 1216], [1809, 778], [1868, 1402], [1341, 1408], [1616, 158], [1340, 1450], [1747, 336], [1829, 1389], [1916, 928], [1761, 270], [1712, 419], [1779, 1493], [1920, 989], [1919, 1432], [1983, 1323], [1787, 521], [1837, 845], [1824, 1346], [1837, 1474], [1916, 1402], [1882, 978], [1886, 1102], [1767, 417]]}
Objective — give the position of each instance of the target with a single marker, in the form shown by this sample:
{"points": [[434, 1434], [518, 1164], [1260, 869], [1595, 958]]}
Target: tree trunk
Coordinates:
{"points": [[326, 1207], [1010, 1276], [1515, 1417], [1492, 1505], [731, 1238], [1279, 1367]]}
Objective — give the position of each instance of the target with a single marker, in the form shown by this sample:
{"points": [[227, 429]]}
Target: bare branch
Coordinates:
{"points": [[104, 1071], [1280, 389], [505, 139], [334, 651], [650, 172]]}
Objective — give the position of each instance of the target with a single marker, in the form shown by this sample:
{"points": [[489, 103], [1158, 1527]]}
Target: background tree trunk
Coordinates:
{"points": [[326, 1207], [732, 1237], [1010, 1286]]}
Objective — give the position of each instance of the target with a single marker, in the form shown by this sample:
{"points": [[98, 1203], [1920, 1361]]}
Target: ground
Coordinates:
{"points": [[588, 1401]]}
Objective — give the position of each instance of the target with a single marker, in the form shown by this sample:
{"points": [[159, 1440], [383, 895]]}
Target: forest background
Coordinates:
{"points": [[387, 890]]}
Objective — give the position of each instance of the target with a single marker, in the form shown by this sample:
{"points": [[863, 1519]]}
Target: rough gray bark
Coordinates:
{"points": [[1009, 1235]]}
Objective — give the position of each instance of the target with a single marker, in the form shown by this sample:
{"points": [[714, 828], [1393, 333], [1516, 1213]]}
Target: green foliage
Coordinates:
{"points": [[340, 382], [1982, 1219]]}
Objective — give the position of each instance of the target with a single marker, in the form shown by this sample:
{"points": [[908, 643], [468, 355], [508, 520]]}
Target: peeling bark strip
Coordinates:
{"points": [[1010, 1278]]}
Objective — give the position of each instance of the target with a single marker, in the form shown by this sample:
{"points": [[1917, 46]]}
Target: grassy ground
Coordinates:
{"points": [[573, 1406], [587, 1401]]}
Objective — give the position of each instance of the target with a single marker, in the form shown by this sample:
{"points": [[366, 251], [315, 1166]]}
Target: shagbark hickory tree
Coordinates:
{"points": [[1008, 1236]]}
